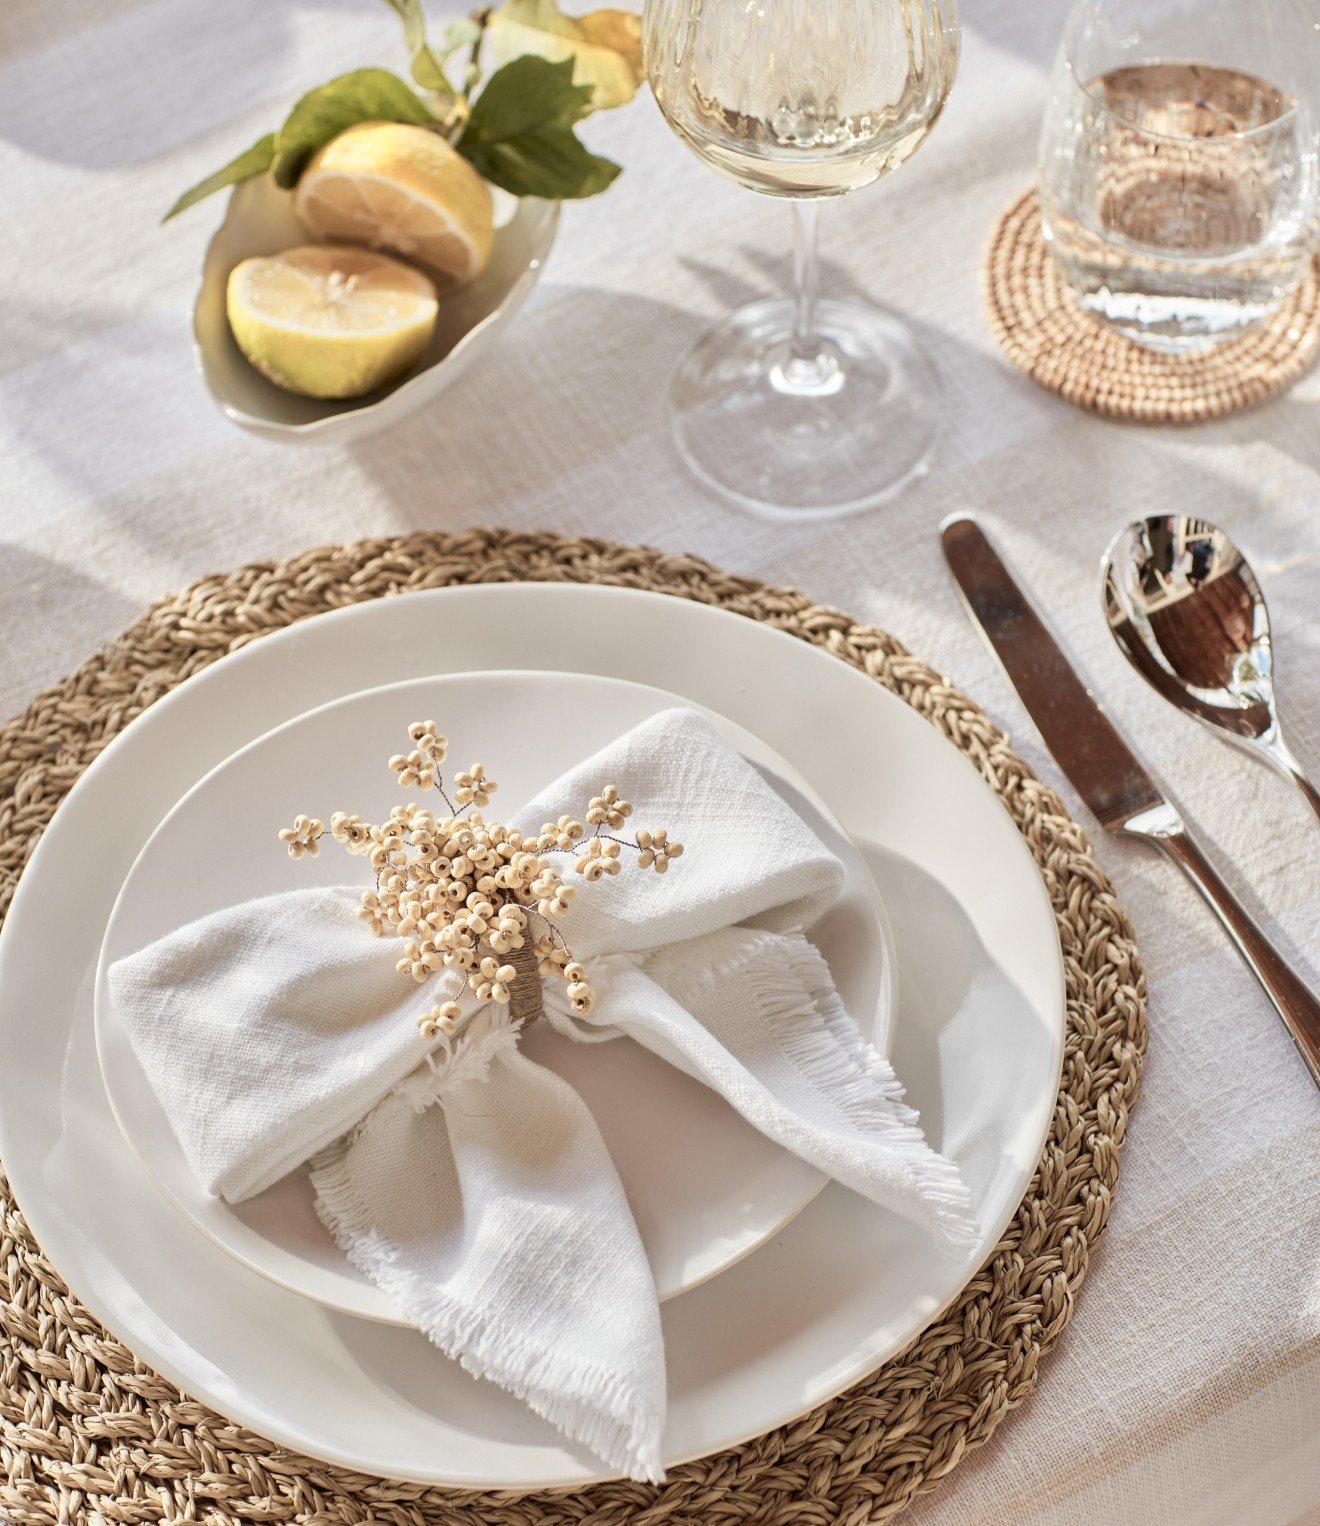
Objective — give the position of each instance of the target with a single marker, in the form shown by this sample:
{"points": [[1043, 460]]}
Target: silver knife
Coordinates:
{"points": [[1102, 767]]}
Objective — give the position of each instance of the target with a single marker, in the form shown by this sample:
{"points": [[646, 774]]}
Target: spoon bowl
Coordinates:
{"points": [[1188, 613]]}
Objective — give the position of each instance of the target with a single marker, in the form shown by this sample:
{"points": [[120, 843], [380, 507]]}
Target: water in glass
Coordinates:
{"points": [[1179, 193]]}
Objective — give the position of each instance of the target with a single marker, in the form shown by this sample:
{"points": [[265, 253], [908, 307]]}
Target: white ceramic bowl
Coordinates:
{"points": [[260, 220]]}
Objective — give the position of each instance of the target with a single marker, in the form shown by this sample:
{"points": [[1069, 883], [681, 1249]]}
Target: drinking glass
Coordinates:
{"points": [[803, 407], [1178, 163]]}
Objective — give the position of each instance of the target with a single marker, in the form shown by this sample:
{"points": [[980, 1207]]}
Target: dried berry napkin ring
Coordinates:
{"points": [[473, 895]]}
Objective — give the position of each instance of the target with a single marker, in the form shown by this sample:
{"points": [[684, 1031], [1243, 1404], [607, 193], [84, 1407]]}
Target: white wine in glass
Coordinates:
{"points": [[802, 406]]}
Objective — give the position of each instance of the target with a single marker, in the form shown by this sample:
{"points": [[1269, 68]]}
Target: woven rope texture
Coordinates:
{"points": [[89, 1434], [1047, 334]]}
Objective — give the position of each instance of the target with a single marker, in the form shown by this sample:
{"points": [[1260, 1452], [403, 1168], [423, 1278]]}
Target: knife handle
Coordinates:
{"points": [[1297, 1006]]}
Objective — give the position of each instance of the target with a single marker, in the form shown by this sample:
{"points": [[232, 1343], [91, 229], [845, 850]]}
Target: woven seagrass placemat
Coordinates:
{"points": [[1047, 334], [87, 1433]]}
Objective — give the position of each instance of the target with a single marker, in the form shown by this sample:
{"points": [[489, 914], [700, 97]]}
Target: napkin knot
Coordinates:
{"points": [[461, 1060]]}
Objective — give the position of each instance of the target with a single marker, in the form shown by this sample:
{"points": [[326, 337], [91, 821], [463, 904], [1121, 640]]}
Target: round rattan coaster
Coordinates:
{"points": [[89, 1434], [1046, 333]]}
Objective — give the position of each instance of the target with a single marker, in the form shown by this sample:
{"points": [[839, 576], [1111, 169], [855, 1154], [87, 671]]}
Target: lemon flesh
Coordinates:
{"points": [[330, 321], [400, 187]]}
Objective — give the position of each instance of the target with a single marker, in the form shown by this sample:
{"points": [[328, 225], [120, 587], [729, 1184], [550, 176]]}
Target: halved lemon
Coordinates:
{"points": [[400, 187], [327, 320]]}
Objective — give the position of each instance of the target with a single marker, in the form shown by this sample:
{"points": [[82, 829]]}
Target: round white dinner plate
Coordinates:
{"points": [[705, 1187], [978, 1040]]}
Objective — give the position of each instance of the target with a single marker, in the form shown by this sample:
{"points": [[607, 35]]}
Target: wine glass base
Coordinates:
{"points": [[801, 441]]}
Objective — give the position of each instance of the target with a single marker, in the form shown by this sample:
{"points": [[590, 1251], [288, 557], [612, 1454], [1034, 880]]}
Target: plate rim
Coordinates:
{"points": [[44, 1222], [886, 1004]]}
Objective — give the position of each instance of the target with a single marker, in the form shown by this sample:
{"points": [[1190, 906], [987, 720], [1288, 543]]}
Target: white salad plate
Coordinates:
{"points": [[259, 219], [978, 1040], [717, 1189]]}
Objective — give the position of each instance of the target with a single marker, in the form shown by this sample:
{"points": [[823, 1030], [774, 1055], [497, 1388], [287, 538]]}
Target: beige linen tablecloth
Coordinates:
{"points": [[1188, 1386]]}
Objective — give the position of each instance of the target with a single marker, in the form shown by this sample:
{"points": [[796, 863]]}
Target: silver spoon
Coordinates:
{"points": [[1186, 609]]}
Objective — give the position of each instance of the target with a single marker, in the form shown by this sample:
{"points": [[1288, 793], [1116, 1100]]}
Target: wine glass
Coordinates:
{"points": [[803, 407], [1178, 163]]}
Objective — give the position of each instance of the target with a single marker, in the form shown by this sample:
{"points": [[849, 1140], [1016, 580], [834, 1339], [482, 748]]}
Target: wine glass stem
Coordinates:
{"points": [[810, 365], [806, 281]]}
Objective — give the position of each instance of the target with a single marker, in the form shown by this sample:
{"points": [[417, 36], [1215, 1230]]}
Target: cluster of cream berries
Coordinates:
{"points": [[468, 893]]}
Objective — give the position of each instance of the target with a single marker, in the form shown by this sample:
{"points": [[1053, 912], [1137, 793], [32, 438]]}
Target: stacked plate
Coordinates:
{"points": [[780, 1290]]}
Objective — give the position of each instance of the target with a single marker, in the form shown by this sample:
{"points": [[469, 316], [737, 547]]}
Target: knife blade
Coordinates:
{"points": [[1084, 741], [1103, 768]]}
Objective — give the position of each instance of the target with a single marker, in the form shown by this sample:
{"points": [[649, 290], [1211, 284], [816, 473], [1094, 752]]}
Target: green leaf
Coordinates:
{"points": [[461, 32], [605, 46], [364, 95], [525, 95], [252, 161], [465, 32], [427, 66], [520, 134], [550, 163]]}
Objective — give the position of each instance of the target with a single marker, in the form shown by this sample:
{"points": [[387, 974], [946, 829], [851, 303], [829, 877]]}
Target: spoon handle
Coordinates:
{"points": [[1280, 754], [1297, 1006], [1309, 791]]}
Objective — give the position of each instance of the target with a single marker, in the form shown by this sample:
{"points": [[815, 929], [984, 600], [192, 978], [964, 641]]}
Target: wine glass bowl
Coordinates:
{"points": [[800, 407], [791, 103]]}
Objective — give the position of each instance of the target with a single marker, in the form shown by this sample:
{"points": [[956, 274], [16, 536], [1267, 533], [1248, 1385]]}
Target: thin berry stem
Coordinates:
{"points": [[623, 842]]}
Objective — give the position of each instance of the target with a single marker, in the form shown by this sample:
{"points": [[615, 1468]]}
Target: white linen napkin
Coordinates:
{"points": [[468, 1182]]}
